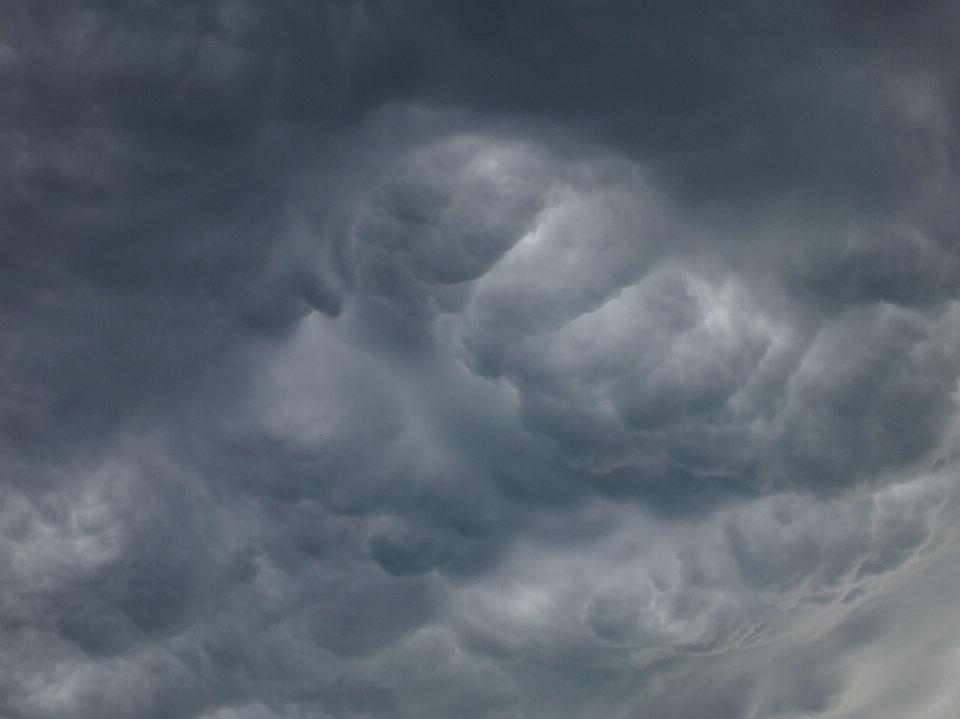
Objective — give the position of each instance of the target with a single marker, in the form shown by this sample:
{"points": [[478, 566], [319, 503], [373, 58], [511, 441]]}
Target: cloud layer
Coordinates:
{"points": [[416, 360]]}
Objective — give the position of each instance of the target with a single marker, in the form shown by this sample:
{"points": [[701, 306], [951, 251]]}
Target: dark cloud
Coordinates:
{"points": [[534, 359]]}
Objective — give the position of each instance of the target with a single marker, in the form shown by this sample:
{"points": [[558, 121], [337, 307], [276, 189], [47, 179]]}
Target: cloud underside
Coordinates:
{"points": [[408, 359]]}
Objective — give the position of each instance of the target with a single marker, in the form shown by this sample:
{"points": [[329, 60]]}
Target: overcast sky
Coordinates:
{"points": [[541, 359]]}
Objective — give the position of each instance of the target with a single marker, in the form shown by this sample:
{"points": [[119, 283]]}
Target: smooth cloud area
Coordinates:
{"points": [[545, 359]]}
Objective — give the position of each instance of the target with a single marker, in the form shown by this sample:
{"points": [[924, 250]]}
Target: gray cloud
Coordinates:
{"points": [[412, 359]]}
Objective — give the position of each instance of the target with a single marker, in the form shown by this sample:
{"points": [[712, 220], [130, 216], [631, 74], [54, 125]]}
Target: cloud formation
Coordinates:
{"points": [[413, 359]]}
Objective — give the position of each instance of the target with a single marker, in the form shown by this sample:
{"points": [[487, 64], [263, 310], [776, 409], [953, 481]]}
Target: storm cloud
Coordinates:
{"points": [[407, 359]]}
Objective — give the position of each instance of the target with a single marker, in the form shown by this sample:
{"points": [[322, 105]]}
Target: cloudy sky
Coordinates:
{"points": [[542, 359]]}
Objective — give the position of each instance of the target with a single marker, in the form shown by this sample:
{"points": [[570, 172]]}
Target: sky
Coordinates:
{"points": [[543, 359]]}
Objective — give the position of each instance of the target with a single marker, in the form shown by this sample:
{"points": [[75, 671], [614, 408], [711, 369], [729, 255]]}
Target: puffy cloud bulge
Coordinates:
{"points": [[414, 359]]}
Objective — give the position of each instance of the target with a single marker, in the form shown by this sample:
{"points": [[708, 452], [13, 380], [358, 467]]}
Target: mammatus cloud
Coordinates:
{"points": [[402, 359]]}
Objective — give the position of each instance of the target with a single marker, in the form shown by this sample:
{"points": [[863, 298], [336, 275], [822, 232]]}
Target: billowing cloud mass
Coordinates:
{"points": [[400, 359]]}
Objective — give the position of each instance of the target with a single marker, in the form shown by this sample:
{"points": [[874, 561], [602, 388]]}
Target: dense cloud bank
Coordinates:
{"points": [[532, 359]]}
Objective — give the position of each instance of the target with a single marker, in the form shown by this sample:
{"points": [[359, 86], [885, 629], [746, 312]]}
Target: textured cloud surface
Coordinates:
{"points": [[539, 360]]}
